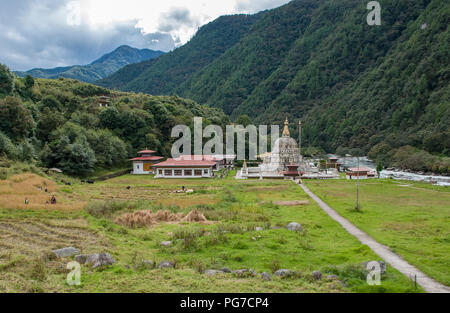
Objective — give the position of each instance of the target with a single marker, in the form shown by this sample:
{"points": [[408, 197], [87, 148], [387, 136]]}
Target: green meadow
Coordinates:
{"points": [[412, 218], [233, 209]]}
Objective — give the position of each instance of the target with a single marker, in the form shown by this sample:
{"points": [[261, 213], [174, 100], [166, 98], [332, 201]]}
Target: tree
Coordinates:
{"points": [[15, 120], [243, 120], [7, 148], [6, 80], [29, 82], [49, 121], [51, 102], [379, 169]]}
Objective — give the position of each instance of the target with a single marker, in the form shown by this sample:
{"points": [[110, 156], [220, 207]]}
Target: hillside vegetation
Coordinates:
{"points": [[165, 74], [101, 68], [59, 123], [379, 89]]}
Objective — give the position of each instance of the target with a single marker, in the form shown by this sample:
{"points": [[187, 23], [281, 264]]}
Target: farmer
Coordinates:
{"points": [[53, 201], [27, 201]]}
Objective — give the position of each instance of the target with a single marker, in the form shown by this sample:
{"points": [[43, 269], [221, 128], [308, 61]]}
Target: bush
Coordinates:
{"points": [[106, 209]]}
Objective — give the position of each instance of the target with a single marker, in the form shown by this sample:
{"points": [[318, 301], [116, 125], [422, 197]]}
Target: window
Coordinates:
{"points": [[205, 172], [198, 173], [168, 173], [178, 173], [187, 172], [160, 172]]}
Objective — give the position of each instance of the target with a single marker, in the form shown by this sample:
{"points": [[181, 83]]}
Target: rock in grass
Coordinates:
{"points": [[241, 272], [212, 272], [283, 273], [82, 258], [225, 270], [100, 259], [294, 227], [166, 243], [166, 264], [265, 276], [66, 252], [259, 229], [317, 275], [383, 266], [332, 277]]}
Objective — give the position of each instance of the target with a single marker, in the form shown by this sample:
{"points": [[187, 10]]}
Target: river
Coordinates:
{"points": [[400, 175]]}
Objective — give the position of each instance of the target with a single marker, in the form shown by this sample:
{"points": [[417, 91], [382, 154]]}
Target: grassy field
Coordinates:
{"points": [[412, 218], [233, 208]]}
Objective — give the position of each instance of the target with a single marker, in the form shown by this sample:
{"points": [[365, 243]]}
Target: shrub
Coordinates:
{"points": [[106, 209]]}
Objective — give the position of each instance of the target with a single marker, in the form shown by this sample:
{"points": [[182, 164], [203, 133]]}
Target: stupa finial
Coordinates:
{"points": [[286, 132]]}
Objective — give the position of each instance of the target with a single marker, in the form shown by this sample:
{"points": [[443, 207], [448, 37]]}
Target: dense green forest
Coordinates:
{"points": [[59, 123], [381, 90], [165, 74], [101, 68]]}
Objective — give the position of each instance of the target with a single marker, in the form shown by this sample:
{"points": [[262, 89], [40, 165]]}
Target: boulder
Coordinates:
{"points": [[212, 272], [265, 276], [166, 264], [294, 227], [66, 252], [332, 277], [82, 258], [283, 273], [259, 229], [225, 270], [317, 275], [100, 259], [240, 272], [275, 227], [166, 243]]}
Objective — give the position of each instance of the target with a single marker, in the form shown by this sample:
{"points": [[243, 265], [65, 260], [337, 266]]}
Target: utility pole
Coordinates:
{"points": [[357, 187], [300, 137]]}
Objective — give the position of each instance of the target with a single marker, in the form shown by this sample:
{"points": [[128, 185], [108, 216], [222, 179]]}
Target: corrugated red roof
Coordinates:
{"points": [[152, 158], [180, 163]]}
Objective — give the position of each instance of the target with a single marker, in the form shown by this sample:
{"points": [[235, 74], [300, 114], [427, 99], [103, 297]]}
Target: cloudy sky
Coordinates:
{"points": [[50, 33]]}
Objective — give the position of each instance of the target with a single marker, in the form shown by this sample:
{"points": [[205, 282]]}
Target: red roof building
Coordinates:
{"points": [[144, 164], [358, 172], [186, 167]]}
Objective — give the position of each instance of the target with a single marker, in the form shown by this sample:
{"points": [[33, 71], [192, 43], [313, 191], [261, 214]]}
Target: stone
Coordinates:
{"points": [[212, 272], [275, 227], [283, 273], [100, 259], [265, 276], [190, 191], [383, 266], [294, 227], [66, 252], [317, 275], [259, 229], [252, 272], [332, 277], [166, 264], [240, 272], [82, 258], [166, 243], [225, 270]]}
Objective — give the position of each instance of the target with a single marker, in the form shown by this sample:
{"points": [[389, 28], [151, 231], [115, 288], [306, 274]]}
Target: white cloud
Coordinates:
{"points": [[48, 33]]}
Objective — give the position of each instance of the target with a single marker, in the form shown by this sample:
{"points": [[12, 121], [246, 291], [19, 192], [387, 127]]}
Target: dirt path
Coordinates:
{"points": [[427, 283]]}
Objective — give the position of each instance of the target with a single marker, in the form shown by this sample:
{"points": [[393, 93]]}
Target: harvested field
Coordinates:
{"points": [[148, 218], [15, 190]]}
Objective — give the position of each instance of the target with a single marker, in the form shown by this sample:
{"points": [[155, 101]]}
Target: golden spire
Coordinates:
{"points": [[286, 132]]}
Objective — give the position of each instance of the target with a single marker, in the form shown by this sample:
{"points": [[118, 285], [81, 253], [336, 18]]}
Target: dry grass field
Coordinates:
{"points": [[94, 218]]}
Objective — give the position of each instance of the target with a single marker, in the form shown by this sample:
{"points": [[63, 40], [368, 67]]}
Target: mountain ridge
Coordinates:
{"points": [[98, 69]]}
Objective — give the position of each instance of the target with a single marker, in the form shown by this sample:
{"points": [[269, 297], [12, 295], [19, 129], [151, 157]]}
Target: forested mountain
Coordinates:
{"points": [[380, 89], [59, 123], [101, 68], [165, 74]]}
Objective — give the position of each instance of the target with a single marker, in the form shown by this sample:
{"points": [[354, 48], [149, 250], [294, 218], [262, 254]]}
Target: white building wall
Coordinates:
{"points": [[207, 174], [138, 168]]}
